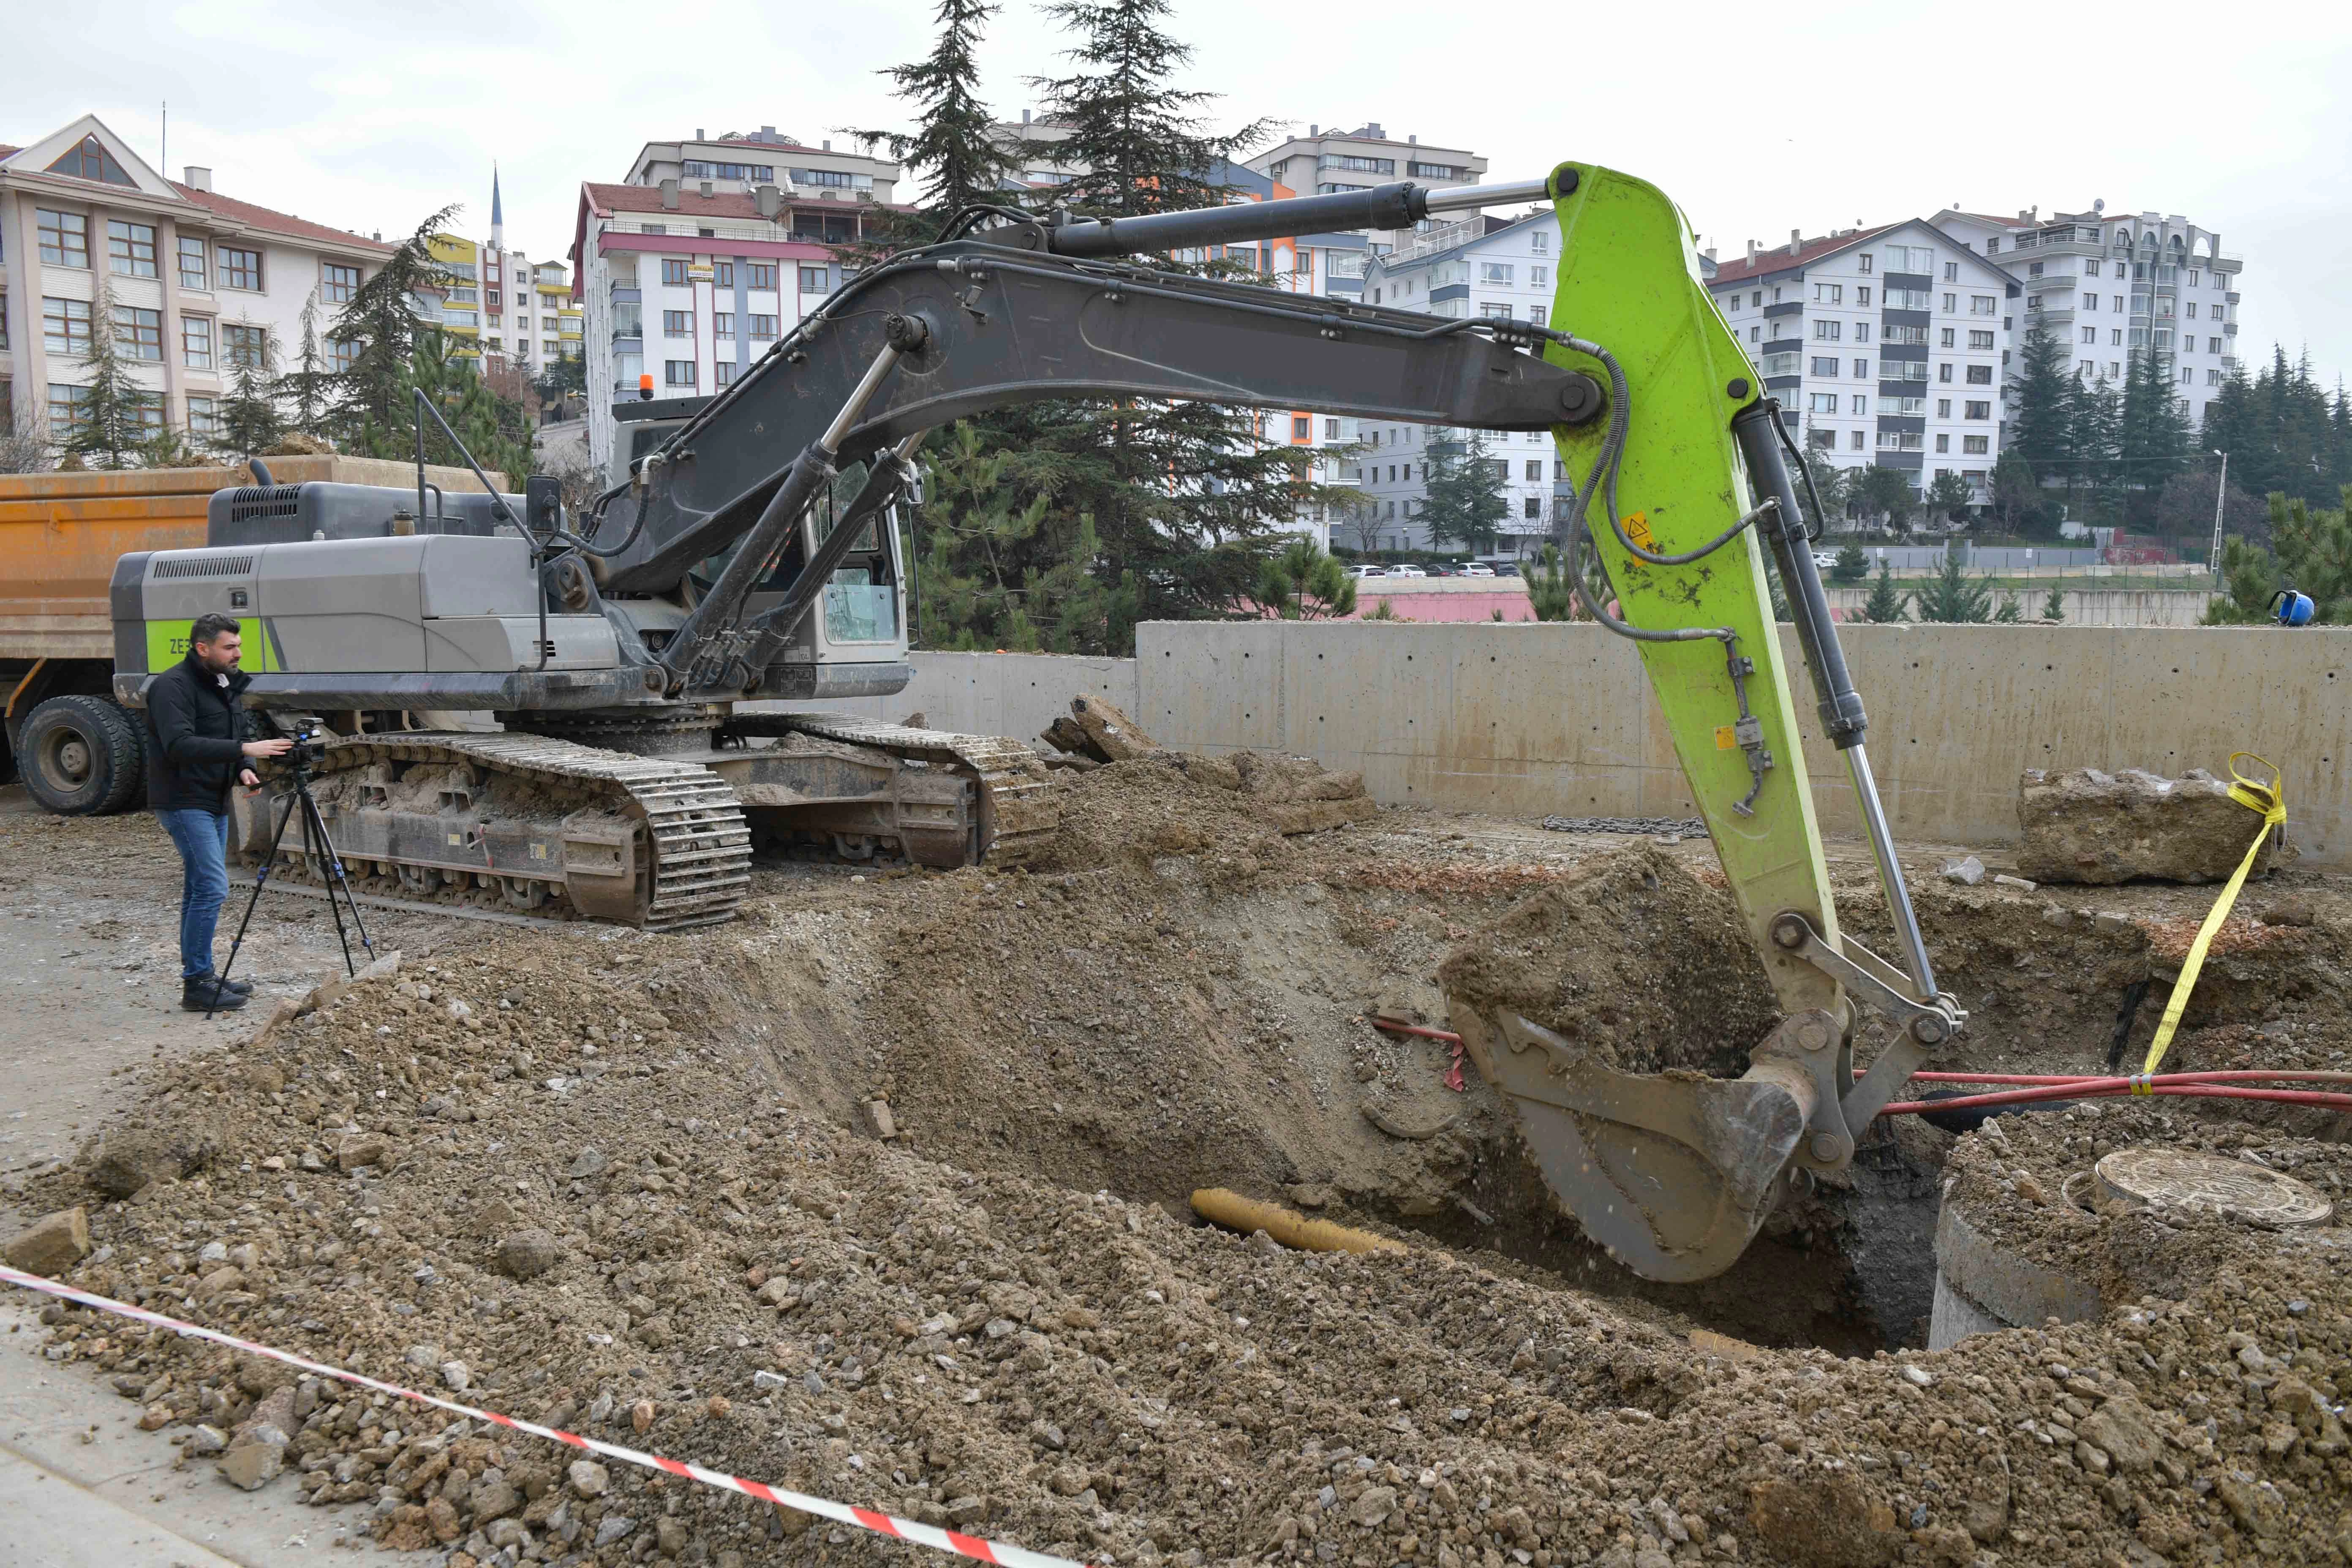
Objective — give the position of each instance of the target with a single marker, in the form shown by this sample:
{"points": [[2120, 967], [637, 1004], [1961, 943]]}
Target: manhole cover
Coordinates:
{"points": [[2235, 1189]]}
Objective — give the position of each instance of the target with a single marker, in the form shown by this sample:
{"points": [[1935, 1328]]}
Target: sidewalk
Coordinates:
{"points": [[81, 1487]]}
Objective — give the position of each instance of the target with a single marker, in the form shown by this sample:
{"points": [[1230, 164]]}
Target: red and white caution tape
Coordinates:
{"points": [[864, 1519]]}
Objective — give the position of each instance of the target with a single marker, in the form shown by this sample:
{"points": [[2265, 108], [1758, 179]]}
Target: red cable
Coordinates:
{"points": [[2240, 1074]]}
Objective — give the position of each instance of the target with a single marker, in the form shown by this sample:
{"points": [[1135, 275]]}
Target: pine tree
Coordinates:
{"points": [[1950, 595], [310, 387], [381, 324], [251, 419], [2054, 606], [111, 418], [1885, 604], [1551, 592], [2151, 436], [1303, 583], [1463, 498], [2093, 432], [1852, 566], [1145, 144], [493, 428], [952, 149], [2040, 402], [1949, 493]]}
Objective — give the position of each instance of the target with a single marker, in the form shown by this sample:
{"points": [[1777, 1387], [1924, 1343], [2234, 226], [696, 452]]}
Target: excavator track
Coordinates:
{"points": [[526, 823], [1020, 806]]}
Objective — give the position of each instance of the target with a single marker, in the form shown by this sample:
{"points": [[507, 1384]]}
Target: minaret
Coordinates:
{"points": [[498, 216]]}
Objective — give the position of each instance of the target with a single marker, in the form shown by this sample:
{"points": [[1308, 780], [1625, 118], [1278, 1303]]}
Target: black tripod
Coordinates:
{"points": [[317, 850]]}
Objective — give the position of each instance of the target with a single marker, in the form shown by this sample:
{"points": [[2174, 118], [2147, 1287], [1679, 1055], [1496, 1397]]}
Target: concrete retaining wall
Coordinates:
{"points": [[2079, 607], [1527, 719]]}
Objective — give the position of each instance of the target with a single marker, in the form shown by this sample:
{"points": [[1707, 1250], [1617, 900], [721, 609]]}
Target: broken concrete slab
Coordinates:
{"points": [[2086, 826]]}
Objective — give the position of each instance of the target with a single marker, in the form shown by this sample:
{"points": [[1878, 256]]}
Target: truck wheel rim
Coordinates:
{"points": [[70, 756]]}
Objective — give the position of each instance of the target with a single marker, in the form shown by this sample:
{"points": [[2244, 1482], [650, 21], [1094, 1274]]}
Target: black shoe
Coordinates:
{"points": [[210, 993]]}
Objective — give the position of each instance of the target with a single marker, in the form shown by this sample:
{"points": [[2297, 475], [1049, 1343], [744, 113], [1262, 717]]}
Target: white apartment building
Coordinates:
{"points": [[1886, 346], [1495, 267], [198, 281], [1320, 163], [741, 162], [688, 285], [526, 313], [2106, 284]]}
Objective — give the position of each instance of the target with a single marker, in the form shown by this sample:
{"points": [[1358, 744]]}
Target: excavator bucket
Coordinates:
{"points": [[1671, 1172]]}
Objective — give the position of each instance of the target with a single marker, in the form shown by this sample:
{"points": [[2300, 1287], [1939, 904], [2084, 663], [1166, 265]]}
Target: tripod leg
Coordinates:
{"points": [[322, 855], [261, 880], [336, 877]]}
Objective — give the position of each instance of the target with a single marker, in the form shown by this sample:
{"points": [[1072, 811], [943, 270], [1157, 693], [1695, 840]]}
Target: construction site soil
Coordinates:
{"points": [[637, 1186]]}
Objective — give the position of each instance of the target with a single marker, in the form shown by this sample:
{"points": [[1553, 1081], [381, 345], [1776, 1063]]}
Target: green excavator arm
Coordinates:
{"points": [[1674, 1175]]}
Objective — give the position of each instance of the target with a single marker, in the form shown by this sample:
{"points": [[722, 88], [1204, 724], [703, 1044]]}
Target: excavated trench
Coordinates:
{"points": [[1150, 1027]]}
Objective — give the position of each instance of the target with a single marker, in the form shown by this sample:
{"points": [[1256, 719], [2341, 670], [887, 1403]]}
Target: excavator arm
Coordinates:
{"points": [[1681, 490]]}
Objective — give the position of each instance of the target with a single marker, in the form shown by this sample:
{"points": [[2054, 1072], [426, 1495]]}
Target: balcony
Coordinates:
{"points": [[2231, 298]]}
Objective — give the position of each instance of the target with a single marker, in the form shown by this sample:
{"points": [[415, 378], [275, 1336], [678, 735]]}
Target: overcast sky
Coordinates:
{"points": [[1758, 121]]}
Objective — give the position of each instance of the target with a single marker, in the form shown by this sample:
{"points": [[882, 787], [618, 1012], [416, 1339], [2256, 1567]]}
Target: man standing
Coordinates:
{"points": [[196, 749]]}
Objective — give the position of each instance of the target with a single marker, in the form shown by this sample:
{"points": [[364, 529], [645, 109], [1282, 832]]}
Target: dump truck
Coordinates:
{"points": [[78, 751]]}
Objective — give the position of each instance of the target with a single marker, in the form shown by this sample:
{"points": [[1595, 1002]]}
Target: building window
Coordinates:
{"points": [[1943, 371], [1982, 305], [1910, 300], [678, 323], [1861, 404], [1824, 365], [240, 269], [204, 416], [813, 280], [1901, 441], [674, 272], [1868, 262], [342, 353], [195, 272], [196, 342], [87, 159], [1862, 370], [723, 275], [726, 369], [65, 326], [1829, 293], [245, 346], [2090, 334], [1533, 508], [1979, 375], [1821, 441], [1821, 402], [1952, 272], [722, 325], [1862, 331], [1498, 273], [340, 284], [1943, 408], [1942, 443], [1495, 313], [763, 274], [1944, 337], [1983, 410], [1828, 332], [66, 405], [1535, 315], [653, 228], [1854, 441], [1976, 445], [678, 373], [1535, 470], [64, 239], [1916, 406], [131, 249], [138, 333], [3, 339]]}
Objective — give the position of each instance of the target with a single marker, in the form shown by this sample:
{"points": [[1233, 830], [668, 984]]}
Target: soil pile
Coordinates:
{"points": [[1635, 956], [1164, 803]]}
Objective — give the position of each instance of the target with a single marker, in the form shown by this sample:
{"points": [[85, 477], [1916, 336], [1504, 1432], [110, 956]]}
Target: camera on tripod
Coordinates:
{"points": [[317, 850]]}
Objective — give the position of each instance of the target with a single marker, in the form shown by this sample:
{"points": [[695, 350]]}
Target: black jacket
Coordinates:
{"points": [[195, 737]]}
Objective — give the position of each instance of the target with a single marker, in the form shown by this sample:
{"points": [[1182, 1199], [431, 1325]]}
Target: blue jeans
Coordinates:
{"points": [[202, 840]]}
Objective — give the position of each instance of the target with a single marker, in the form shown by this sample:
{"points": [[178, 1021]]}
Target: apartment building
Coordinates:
{"points": [[687, 283], [1499, 269], [196, 280], [740, 163], [501, 305], [2107, 284], [1320, 164], [1885, 345]]}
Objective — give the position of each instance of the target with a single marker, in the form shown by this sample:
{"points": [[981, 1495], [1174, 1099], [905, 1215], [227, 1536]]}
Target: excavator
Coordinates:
{"points": [[634, 664]]}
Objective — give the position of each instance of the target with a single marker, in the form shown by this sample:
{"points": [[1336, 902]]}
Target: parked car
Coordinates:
{"points": [[1407, 570], [1824, 559], [1506, 568], [1477, 569], [1368, 571], [1439, 569]]}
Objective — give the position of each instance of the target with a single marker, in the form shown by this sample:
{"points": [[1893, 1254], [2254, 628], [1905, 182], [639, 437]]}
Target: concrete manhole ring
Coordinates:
{"points": [[2209, 1183]]}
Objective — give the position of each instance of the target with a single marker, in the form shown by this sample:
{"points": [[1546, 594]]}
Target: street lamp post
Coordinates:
{"points": [[2220, 490]]}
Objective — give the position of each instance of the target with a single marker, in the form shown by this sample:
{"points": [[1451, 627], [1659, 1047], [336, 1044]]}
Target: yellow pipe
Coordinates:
{"points": [[1222, 1206]]}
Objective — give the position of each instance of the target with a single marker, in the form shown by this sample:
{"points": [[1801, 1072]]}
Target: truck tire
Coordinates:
{"points": [[81, 756]]}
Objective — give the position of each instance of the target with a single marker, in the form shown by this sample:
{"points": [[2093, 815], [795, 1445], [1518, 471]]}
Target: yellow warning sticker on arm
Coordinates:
{"points": [[1726, 738], [1637, 529]]}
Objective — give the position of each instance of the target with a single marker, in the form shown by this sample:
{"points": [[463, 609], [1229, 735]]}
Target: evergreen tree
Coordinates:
{"points": [[2054, 606], [2010, 611], [950, 150], [1951, 596], [1145, 144], [1464, 497], [111, 418], [1886, 492], [1949, 493], [1305, 584], [1830, 482], [382, 324], [2313, 553], [1551, 592], [2151, 434], [2041, 402], [310, 387], [1852, 566], [251, 419], [493, 428], [2096, 422], [1885, 604], [2016, 500]]}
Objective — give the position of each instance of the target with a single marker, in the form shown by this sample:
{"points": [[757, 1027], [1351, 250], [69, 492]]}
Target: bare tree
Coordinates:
{"points": [[26, 446]]}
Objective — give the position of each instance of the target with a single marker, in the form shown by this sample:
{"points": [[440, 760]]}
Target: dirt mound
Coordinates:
{"points": [[1239, 807], [1636, 955]]}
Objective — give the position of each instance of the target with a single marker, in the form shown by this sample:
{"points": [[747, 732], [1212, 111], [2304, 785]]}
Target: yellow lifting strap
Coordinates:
{"points": [[2270, 799]]}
